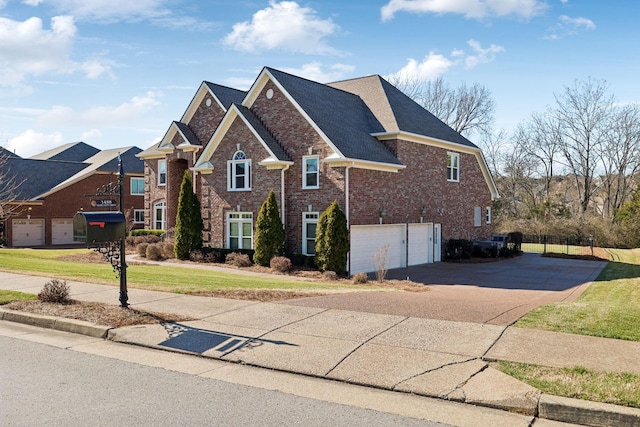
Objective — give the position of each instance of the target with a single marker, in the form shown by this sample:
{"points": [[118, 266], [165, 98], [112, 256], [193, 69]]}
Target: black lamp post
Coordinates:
{"points": [[124, 298]]}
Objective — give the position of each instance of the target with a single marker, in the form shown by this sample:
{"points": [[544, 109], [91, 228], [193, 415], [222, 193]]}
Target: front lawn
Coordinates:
{"points": [[609, 308], [63, 264]]}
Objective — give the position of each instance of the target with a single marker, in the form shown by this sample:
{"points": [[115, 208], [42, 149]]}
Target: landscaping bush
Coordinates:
{"points": [[141, 249], [280, 264], [142, 232], [55, 291], [167, 250], [189, 226], [269, 233], [154, 252], [238, 259], [360, 278], [458, 249], [332, 240], [302, 260], [330, 275]]}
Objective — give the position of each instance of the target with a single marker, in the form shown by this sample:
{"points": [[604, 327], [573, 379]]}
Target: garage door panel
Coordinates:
{"points": [[27, 232], [420, 244], [62, 231], [366, 241]]}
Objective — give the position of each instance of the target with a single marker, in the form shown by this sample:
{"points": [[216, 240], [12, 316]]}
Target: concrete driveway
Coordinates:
{"points": [[497, 293]]}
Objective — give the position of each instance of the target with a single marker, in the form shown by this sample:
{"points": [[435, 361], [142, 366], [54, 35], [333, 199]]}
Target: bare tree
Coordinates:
{"points": [[583, 112], [466, 109], [9, 185], [620, 157]]}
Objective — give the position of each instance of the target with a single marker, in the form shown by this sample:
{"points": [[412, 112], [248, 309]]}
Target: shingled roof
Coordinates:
{"points": [[265, 135], [72, 152], [342, 116], [397, 112], [226, 95], [52, 175]]}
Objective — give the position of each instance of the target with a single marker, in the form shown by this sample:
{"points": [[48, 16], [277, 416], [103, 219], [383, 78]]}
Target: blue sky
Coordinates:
{"points": [[115, 73]]}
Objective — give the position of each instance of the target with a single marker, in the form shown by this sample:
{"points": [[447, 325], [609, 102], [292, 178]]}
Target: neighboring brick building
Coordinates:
{"points": [[56, 184], [403, 177]]}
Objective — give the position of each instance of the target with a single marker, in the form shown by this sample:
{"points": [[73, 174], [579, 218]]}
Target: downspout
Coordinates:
{"points": [[282, 199], [346, 207]]}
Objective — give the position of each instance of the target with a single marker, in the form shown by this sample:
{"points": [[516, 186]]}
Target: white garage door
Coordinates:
{"points": [[62, 232], [27, 232], [420, 244], [368, 241]]}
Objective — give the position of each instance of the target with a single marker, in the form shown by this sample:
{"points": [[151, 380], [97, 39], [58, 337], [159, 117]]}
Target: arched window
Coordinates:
{"points": [[239, 172]]}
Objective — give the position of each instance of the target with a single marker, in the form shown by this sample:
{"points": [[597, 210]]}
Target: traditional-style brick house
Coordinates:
{"points": [[56, 184], [403, 177]]}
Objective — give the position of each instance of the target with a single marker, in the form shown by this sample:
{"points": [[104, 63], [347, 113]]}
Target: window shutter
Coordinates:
{"points": [[477, 216]]}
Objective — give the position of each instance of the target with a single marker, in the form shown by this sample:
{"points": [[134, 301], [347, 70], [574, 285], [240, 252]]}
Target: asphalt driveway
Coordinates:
{"points": [[496, 292]]}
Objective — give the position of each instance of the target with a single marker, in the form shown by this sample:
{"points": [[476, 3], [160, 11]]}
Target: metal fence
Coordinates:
{"points": [[558, 244]]}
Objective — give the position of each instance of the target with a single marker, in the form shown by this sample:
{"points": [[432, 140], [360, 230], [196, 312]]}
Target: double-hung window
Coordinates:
{"points": [[311, 172], [239, 172], [453, 167], [240, 230], [159, 215], [162, 172], [488, 219], [138, 216], [137, 186], [309, 226]]}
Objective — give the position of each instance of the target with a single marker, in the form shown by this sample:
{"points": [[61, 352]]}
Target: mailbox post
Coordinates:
{"points": [[106, 233]]}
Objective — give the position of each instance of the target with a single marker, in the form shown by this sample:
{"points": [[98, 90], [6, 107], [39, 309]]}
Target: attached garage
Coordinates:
{"points": [[369, 240], [420, 244], [62, 231], [27, 232]]}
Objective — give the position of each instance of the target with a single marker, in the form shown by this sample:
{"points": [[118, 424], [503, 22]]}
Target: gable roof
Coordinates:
{"points": [[342, 116], [399, 113], [6, 153], [226, 95], [53, 175], [71, 152], [50, 173], [263, 133]]}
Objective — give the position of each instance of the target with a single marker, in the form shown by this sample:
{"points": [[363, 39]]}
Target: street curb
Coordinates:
{"points": [[57, 323], [586, 413], [550, 407]]}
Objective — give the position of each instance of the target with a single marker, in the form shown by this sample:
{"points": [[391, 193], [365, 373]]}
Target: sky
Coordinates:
{"points": [[116, 73]]}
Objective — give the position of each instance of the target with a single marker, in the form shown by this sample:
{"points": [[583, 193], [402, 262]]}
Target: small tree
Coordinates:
{"points": [[269, 233], [188, 221], [332, 240]]}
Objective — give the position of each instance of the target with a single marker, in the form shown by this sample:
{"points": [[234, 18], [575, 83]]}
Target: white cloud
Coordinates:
{"points": [[481, 55], [435, 65], [475, 9], [431, 67], [31, 142], [27, 49], [108, 10], [567, 26], [314, 71], [283, 26], [101, 116], [91, 134]]}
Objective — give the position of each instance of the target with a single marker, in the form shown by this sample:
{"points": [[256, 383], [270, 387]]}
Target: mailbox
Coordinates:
{"points": [[98, 227]]}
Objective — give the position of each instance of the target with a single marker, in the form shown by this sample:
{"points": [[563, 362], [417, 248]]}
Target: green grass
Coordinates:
{"points": [[578, 382], [609, 308], [169, 278], [10, 296]]}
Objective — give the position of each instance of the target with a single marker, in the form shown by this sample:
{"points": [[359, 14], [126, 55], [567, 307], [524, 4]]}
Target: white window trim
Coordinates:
{"points": [[489, 214], [308, 218], [160, 174], [305, 174], [456, 168], [240, 218], [477, 216], [163, 220], [231, 177], [135, 211], [131, 186]]}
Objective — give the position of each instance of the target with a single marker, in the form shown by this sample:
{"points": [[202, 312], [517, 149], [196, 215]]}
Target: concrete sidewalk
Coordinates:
{"points": [[435, 358]]}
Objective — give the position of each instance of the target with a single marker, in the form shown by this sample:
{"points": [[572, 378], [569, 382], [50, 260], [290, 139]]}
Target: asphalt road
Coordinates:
{"points": [[45, 385], [497, 293]]}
